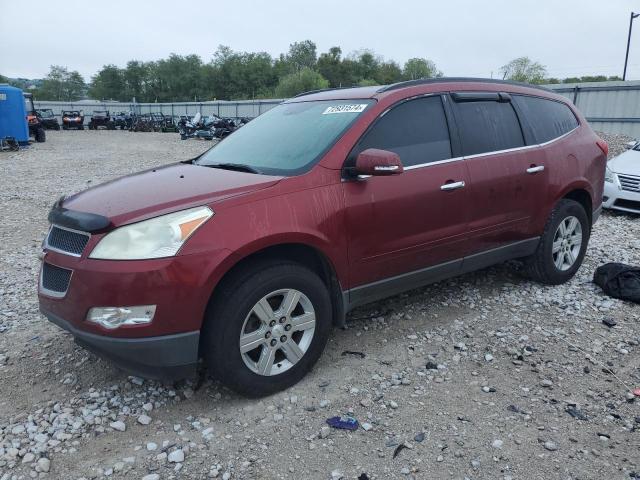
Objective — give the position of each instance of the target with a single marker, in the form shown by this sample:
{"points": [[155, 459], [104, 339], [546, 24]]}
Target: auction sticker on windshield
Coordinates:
{"points": [[357, 108]]}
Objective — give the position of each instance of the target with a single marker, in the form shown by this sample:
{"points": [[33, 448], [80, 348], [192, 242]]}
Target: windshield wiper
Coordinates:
{"points": [[239, 167]]}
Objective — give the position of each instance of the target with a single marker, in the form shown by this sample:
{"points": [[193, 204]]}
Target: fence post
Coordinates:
{"points": [[576, 90]]}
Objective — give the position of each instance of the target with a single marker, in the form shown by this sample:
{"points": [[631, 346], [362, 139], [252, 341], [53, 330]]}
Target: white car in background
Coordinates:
{"points": [[622, 181]]}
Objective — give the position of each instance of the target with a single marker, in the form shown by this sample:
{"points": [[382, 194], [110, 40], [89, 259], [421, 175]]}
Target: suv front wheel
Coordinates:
{"points": [[562, 246], [266, 328]]}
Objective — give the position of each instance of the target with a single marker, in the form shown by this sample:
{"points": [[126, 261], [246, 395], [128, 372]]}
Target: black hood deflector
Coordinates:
{"points": [[83, 221]]}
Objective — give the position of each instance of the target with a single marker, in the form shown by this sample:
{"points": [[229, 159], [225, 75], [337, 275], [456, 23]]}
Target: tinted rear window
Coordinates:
{"points": [[488, 127], [416, 130], [548, 119]]}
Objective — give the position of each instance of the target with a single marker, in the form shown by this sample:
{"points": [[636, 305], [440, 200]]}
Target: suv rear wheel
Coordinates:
{"points": [[266, 328], [562, 246]]}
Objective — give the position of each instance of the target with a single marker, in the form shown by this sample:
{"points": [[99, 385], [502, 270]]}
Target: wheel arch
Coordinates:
{"points": [[302, 252], [582, 194]]}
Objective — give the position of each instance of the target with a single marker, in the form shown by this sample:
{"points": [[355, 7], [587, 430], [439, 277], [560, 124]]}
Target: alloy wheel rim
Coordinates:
{"points": [[277, 332], [567, 243]]}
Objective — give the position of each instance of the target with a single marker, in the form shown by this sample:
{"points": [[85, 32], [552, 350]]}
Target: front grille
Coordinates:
{"points": [[629, 204], [629, 182], [68, 241], [55, 279]]}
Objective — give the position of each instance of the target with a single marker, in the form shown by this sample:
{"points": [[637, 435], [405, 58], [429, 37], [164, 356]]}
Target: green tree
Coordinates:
{"points": [[329, 65], [3, 79], [236, 75], [177, 78], [60, 84], [302, 55], [137, 81], [108, 84], [523, 69], [388, 72], [416, 68], [303, 81]]}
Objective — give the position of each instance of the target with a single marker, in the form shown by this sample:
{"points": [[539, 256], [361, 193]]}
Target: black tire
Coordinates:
{"points": [[225, 317], [57, 127], [40, 135], [540, 266], [64, 127]]}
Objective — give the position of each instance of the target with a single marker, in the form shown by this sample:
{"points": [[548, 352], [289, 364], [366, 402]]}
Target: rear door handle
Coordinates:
{"points": [[535, 169], [452, 186]]}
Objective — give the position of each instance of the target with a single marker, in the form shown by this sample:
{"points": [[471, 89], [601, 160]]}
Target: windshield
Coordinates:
{"points": [[288, 139], [46, 113]]}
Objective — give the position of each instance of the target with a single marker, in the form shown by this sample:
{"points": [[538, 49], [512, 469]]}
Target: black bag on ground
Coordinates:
{"points": [[619, 281]]}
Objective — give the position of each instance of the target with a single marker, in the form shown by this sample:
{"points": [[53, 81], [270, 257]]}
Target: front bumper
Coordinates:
{"points": [[180, 287], [617, 199], [167, 357]]}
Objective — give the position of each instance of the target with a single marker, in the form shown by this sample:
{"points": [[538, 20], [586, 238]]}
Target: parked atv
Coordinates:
{"points": [[169, 125], [36, 130], [142, 123], [101, 118], [48, 119], [123, 120], [72, 119]]}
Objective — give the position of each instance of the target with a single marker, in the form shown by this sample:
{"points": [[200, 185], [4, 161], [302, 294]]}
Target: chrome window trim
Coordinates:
{"points": [[495, 152], [548, 142], [438, 162], [52, 293], [443, 95], [64, 252]]}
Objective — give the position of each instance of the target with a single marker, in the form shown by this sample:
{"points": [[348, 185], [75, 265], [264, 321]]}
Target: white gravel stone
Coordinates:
{"points": [[177, 456], [144, 419], [43, 464], [118, 425]]}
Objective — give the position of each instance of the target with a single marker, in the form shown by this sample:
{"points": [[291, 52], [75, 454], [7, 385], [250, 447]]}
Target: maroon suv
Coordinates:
{"points": [[247, 255]]}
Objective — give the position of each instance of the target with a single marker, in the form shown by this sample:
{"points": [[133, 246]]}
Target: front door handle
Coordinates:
{"points": [[535, 169], [447, 187]]}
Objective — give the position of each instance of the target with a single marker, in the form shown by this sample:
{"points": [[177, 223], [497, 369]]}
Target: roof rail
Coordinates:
{"points": [[425, 81], [310, 92]]}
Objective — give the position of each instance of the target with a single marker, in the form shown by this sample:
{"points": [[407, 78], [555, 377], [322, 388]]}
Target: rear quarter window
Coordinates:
{"points": [[488, 126], [548, 119]]}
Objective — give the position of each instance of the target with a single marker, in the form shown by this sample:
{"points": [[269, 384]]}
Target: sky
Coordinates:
{"points": [[463, 37]]}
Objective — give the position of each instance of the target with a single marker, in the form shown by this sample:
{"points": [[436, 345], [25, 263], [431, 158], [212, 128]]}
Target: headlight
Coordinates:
{"points": [[609, 176], [155, 238]]}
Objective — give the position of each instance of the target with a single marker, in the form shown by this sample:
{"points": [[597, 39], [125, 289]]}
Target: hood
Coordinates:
{"points": [[163, 190], [627, 163]]}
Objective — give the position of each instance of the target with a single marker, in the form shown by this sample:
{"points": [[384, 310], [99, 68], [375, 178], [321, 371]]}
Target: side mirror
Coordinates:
{"points": [[373, 161]]}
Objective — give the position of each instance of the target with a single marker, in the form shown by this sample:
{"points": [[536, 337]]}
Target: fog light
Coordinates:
{"points": [[114, 317]]}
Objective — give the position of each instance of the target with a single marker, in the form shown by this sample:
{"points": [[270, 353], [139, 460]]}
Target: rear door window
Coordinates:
{"points": [[548, 119], [487, 126], [416, 130]]}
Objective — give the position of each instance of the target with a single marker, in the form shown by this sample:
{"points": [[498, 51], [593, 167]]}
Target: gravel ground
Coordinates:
{"points": [[484, 376]]}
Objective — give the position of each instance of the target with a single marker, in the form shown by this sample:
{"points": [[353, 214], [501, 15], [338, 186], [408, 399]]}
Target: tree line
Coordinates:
{"points": [[232, 75]]}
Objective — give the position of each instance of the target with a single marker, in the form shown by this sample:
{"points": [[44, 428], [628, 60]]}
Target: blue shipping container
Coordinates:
{"points": [[13, 115]]}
